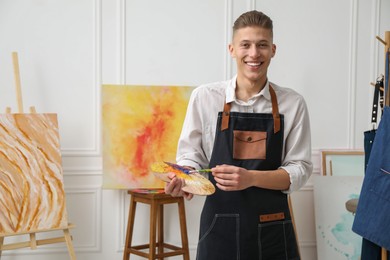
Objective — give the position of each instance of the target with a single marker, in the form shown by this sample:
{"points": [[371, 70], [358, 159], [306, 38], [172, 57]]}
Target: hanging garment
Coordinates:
{"points": [[370, 250], [254, 223], [369, 136], [372, 219]]}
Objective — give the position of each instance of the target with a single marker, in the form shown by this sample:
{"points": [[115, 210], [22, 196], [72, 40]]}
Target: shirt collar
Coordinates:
{"points": [[231, 90]]}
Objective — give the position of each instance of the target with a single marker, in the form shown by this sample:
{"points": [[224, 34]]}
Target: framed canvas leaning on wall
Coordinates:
{"points": [[342, 176]]}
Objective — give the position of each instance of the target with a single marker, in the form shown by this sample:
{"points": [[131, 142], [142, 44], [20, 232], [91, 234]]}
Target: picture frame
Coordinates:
{"points": [[342, 162], [333, 222]]}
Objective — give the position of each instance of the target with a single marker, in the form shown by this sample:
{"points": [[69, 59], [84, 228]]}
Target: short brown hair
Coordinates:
{"points": [[253, 18]]}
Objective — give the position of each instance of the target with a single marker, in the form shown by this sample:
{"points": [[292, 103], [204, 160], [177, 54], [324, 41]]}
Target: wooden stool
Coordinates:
{"points": [[156, 200]]}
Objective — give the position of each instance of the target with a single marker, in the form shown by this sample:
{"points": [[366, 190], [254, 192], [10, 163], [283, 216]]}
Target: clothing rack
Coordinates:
{"points": [[386, 42]]}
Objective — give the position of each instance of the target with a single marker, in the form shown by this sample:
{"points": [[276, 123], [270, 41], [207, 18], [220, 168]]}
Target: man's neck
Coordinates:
{"points": [[247, 89]]}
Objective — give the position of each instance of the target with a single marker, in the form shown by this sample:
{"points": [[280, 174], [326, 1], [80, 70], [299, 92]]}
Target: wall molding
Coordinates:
{"points": [[228, 35], [307, 243], [87, 171], [352, 71], [97, 50], [375, 21], [121, 54], [96, 191], [251, 5], [122, 216]]}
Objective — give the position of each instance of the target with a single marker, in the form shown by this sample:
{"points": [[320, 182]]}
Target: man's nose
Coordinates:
{"points": [[253, 51]]}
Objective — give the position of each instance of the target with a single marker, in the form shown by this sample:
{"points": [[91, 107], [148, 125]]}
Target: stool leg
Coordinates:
{"points": [[152, 232], [183, 227], [160, 230], [130, 225], [383, 253]]}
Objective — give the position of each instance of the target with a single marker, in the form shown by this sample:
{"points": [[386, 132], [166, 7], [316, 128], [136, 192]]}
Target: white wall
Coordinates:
{"points": [[326, 50]]}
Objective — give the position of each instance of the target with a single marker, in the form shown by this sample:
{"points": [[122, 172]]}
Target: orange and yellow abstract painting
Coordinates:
{"points": [[32, 196], [141, 125]]}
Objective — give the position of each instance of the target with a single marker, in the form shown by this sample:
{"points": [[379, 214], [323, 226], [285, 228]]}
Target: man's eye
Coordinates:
{"points": [[262, 45]]}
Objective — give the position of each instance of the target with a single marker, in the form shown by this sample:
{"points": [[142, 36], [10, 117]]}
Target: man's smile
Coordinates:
{"points": [[253, 64]]}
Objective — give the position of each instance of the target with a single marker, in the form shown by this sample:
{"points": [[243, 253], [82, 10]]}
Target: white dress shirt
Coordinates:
{"points": [[197, 137]]}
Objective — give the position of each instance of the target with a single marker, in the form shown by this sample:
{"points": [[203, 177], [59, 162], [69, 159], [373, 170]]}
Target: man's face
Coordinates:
{"points": [[253, 49]]}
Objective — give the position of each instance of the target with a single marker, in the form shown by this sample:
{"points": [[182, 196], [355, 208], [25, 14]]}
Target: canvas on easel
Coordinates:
{"points": [[32, 195]]}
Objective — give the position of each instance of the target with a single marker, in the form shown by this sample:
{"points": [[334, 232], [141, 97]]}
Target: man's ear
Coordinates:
{"points": [[231, 50], [273, 50]]}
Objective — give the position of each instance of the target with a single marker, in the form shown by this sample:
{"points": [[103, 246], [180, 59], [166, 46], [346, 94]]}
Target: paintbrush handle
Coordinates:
{"points": [[200, 171]]}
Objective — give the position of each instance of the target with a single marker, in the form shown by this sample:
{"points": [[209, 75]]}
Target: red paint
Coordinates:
{"points": [[151, 140]]}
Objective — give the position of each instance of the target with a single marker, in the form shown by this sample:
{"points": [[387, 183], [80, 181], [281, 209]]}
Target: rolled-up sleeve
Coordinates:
{"points": [[297, 150]]}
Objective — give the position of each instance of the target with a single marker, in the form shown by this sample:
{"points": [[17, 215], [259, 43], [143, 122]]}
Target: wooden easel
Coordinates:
{"points": [[33, 242]]}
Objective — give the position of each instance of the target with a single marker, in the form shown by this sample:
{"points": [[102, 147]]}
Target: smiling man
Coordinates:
{"points": [[255, 137]]}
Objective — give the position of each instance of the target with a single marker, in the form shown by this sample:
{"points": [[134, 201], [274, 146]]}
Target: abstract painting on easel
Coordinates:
{"points": [[32, 196], [141, 125]]}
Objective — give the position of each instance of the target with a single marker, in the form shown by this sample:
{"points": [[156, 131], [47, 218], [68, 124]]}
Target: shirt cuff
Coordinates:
{"points": [[295, 183], [189, 163]]}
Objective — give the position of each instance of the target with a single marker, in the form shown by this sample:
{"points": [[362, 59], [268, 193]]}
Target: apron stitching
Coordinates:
{"points": [[259, 242], [238, 236], [209, 229], [285, 242], [384, 171]]}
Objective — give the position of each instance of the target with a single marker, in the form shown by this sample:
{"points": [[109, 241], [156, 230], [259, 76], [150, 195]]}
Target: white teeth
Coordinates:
{"points": [[253, 64]]}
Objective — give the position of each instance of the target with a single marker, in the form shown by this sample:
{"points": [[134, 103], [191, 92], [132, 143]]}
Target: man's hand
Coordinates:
{"points": [[174, 187], [232, 178]]}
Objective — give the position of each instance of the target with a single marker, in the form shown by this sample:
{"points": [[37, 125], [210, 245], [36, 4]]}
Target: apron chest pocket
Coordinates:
{"points": [[249, 145]]}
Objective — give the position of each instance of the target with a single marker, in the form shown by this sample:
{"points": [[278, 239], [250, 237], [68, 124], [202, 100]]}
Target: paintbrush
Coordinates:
{"points": [[200, 171], [186, 170]]}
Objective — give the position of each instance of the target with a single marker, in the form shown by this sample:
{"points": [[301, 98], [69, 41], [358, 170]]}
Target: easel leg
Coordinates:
{"points": [[33, 241], [1, 245], [69, 244]]}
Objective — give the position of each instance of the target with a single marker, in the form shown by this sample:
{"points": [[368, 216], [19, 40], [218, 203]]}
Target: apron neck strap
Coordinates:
{"points": [[225, 116], [275, 112]]}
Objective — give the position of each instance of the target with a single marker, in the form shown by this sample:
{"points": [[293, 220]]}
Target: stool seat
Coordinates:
{"points": [[156, 200], [351, 205]]}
